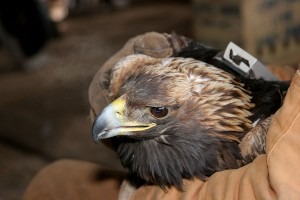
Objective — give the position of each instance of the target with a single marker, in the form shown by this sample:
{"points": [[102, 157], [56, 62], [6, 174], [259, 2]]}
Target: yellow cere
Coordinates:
{"points": [[127, 126], [119, 107]]}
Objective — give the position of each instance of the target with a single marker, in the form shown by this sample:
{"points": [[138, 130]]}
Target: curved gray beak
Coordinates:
{"points": [[113, 122]]}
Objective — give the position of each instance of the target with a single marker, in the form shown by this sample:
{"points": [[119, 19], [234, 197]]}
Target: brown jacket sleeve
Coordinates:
{"points": [[275, 175]]}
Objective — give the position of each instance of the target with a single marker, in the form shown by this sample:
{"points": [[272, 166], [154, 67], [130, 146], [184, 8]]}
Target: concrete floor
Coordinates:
{"points": [[44, 109]]}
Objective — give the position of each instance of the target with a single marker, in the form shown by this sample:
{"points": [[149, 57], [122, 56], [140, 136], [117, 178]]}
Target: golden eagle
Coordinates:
{"points": [[183, 116]]}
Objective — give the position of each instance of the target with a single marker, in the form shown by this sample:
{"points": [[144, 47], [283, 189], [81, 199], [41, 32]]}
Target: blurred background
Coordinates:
{"points": [[51, 49]]}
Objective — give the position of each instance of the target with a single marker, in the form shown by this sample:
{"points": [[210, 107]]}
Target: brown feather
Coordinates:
{"points": [[254, 142], [212, 88]]}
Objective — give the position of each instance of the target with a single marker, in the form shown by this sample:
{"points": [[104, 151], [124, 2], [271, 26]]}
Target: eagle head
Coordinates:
{"points": [[174, 118]]}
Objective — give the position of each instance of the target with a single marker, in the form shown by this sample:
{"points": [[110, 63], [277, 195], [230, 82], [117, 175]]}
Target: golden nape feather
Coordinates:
{"points": [[223, 104]]}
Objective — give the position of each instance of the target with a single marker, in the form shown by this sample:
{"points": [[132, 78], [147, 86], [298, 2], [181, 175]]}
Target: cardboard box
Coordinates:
{"points": [[217, 22], [268, 29], [271, 30]]}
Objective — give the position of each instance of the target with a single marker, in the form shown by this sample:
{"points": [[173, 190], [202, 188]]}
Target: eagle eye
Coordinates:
{"points": [[159, 112]]}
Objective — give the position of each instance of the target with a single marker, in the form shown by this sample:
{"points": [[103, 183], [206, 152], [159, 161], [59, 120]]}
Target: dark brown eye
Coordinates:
{"points": [[159, 112]]}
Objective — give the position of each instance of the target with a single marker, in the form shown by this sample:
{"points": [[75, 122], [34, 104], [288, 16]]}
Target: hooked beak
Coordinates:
{"points": [[113, 122]]}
